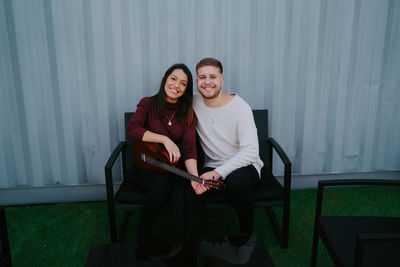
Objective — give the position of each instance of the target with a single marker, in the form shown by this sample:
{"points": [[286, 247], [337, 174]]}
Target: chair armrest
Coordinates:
{"points": [[121, 148], [348, 182]]}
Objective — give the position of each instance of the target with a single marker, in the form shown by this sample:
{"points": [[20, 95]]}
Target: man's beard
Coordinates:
{"points": [[215, 95]]}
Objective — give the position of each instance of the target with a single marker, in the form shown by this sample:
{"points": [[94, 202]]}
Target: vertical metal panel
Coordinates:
{"points": [[328, 71]]}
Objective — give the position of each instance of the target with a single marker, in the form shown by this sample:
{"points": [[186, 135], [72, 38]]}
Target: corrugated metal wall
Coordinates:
{"points": [[328, 71]]}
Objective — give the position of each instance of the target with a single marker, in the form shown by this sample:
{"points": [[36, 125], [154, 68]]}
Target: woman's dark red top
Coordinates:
{"points": [[145, 119]]}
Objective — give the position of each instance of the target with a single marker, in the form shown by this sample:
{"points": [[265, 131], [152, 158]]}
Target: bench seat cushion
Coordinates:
{"points": [[268, 189]]}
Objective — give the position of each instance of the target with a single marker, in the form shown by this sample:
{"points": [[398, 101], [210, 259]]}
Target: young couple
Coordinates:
{"points": [[228, 136]]}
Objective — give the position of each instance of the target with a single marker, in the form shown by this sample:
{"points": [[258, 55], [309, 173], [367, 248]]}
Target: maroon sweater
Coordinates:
{"points": [[146, 119]]}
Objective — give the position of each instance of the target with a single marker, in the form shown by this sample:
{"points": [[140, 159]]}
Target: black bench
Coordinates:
{"points": [[269, 192]]}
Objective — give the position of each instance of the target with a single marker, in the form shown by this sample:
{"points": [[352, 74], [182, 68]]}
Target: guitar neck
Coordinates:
{"points": [[171, 169]]}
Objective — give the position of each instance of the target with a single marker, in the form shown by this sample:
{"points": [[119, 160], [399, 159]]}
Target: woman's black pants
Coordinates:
{"points": [[161, 189]]}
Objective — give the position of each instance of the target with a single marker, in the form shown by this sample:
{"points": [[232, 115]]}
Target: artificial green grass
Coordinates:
{"points": [[62, 234]]}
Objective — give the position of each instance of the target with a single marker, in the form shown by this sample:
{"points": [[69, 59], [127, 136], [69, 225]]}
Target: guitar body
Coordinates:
{"points": [[154, 150]]}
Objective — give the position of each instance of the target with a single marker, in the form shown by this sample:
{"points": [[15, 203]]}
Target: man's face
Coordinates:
{"points": [[209, 81]]}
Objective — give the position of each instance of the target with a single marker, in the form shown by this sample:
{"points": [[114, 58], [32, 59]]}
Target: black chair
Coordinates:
{"points": [[269, 192], [5, 253], [357, 240]]}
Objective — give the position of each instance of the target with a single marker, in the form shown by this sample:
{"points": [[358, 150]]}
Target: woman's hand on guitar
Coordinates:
{"points": [[198, 188], [172, 149]]}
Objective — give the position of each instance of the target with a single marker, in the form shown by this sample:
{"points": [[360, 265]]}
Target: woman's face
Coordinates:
{"points": [[175, 86]]}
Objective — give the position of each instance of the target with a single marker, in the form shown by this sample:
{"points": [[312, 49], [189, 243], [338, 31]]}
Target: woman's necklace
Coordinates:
{"points": [[169, 120]]}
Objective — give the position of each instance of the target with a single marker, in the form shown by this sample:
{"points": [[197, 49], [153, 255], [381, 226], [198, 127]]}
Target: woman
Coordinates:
{"points": [[167, 118]]}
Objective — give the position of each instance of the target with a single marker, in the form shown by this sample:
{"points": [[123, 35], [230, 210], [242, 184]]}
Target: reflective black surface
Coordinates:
{"points": [[208, 252]]}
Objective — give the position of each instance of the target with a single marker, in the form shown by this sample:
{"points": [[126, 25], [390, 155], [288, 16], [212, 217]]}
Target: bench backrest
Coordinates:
{"points": [[261, 120]]}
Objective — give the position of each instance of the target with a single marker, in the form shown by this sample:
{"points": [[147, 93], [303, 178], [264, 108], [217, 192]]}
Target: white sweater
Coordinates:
{"points": [[230, 142]]}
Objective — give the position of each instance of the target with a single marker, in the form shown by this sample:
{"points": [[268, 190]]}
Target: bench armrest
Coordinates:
{"points": [[287, 181], [273, 144], [114, 155], [120, 149], [282, 155]]}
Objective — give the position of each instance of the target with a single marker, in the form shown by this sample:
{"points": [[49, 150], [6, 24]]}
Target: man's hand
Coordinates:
{"points": [[198, 188], [214, 175]]}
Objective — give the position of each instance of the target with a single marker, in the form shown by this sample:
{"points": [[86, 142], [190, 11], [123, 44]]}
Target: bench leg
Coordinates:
{"points": [[112, 223], [282, 234], [285, 224], [124, 224]]}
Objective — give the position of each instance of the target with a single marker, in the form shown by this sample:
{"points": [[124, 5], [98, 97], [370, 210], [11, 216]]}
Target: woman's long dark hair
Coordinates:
{"points": [[184, 114]]}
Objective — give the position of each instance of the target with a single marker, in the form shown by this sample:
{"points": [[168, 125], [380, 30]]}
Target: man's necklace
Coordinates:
{"points": [[170, 119], [214, 116]]}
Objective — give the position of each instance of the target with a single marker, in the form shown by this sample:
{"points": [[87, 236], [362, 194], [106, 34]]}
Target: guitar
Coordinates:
{"points": [[153, 156]]}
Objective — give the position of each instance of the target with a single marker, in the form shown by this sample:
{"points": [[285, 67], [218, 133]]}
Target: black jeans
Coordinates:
{"points": [[161, 189], [239, 186]]}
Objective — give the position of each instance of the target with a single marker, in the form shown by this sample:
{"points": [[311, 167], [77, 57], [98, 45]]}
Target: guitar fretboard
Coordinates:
{"points": [[169, 168]]}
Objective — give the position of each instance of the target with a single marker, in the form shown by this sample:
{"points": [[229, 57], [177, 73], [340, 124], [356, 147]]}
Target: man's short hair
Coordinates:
{"points": [[209, 61]]}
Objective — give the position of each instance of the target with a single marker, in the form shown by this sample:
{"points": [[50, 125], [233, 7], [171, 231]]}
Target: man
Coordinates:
{"points": [[228, 136]]}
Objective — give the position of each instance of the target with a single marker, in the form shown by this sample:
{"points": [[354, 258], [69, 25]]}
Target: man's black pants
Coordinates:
{"points": [[239, 186]]}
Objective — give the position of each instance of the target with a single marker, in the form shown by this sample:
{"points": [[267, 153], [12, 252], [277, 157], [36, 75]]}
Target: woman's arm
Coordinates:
{"points": [[170, 146], [191, 167]]}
